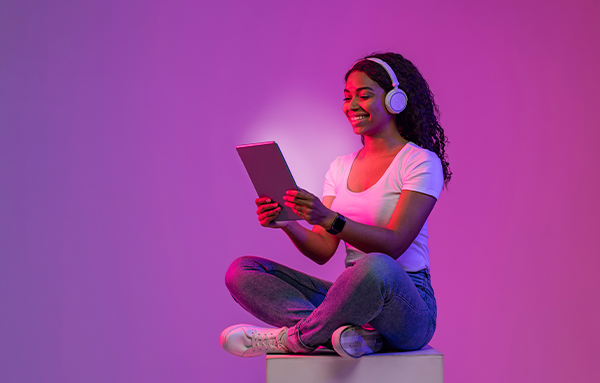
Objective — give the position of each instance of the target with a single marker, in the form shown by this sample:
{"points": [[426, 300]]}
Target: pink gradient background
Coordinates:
{"points": [[123, 201]]}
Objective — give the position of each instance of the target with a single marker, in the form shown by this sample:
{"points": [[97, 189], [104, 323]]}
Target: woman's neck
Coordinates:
{"points": [[382, 146]]}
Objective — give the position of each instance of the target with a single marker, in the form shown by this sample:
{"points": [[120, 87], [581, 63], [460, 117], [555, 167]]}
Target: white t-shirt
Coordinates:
{"points": [[413, 168]]}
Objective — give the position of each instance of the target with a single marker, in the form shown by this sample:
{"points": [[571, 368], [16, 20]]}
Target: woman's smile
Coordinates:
{"points": [[357, 118]]}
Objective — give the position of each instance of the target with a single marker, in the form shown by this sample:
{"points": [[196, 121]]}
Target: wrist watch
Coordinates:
{"points": [[338, 224]]}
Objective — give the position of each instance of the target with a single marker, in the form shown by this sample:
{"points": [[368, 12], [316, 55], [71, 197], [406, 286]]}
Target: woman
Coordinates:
{"points": [[377, 201]]}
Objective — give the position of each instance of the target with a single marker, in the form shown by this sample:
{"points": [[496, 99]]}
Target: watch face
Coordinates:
{"points": [[338, 224]]}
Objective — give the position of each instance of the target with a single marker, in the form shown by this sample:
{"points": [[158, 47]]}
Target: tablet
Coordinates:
{"points": [[269, 174]]}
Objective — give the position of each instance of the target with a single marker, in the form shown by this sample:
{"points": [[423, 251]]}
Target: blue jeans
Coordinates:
{"points": [[375, 290]]}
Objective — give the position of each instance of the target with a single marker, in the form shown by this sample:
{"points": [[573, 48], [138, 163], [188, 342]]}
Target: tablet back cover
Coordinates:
{"points": [[269, 173]]}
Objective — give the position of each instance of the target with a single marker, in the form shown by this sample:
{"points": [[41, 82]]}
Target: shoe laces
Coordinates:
{"points": [[270, 340]]}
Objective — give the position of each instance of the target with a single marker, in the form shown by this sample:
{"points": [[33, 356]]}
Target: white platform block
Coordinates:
{"points": [[324, 366]]}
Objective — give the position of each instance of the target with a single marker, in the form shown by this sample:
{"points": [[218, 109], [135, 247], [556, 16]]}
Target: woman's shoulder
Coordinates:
{"points": [[342, 161], [414, 161], [414, 154], [420, 170]]}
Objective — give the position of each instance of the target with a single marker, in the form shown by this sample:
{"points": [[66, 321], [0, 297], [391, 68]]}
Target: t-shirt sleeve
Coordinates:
{"points": [[424, 174], [329, 188]]}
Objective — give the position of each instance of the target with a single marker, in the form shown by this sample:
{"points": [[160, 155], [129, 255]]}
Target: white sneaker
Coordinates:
{"points": [[246, 340], [355, 341]]}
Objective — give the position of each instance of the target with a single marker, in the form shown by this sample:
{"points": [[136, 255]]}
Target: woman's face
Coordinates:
{"points": [[364, 106]]}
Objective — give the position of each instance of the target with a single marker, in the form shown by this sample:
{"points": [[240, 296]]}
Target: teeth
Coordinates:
{"points": [[358, 118]]}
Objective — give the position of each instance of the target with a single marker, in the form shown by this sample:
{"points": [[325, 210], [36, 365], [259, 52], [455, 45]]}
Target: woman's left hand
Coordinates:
{"points": [[309, 207]]}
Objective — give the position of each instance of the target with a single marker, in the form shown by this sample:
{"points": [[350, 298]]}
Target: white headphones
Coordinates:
{"points": [[395, 99]]}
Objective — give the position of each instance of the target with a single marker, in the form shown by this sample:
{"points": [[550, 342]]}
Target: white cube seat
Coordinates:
{"points": [[323, 365]]}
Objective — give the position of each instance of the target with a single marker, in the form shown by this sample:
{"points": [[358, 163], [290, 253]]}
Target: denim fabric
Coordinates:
{"points": [[375, 290]]}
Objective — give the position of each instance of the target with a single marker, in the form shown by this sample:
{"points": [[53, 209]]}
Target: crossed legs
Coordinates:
{"points": [[375, 290]]}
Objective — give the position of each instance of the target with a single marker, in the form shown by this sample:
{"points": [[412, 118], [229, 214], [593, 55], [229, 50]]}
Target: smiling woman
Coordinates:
{"points": [[377, 201], [363, 104]]}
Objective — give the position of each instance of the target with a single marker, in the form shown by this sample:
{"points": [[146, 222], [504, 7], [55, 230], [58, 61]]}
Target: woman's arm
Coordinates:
{"points": [[406, 222], [318, 244]]}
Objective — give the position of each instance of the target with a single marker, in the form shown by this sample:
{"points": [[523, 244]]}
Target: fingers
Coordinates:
{"points": [[300, 199], [300, 194], [267, 211], [268, 216], [299, 210], [267, 207], [265, 204], [306, 205], [301, 202], [262, 200]]}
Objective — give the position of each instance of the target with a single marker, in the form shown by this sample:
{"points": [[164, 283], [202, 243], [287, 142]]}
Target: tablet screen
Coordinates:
{"points": [[269, 173]]}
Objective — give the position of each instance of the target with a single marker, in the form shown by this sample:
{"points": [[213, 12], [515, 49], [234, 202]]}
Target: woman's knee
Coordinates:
{"points": [[235, 273], [244, 268], [377, 269], [377, 264]]}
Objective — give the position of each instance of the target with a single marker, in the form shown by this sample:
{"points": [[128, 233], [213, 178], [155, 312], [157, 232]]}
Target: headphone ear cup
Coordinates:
{"points": [[396, 100]]}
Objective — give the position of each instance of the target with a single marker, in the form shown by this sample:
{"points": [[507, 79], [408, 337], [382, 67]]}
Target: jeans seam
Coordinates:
{"points": [[409, 304], [312, 286], [429, 335]]}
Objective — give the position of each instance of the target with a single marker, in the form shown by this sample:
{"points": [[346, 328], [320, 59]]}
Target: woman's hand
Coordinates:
{"points": [[267, 211], [310, 208]]}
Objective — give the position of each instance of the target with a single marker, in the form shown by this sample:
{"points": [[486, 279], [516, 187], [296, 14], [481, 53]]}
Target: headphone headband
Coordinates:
{"points": [[387, 69]]}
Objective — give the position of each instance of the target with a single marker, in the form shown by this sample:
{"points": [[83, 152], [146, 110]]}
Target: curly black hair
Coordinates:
{"points": [[419, 122]]}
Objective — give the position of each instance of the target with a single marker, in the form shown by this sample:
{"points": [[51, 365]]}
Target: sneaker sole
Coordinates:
{"points": [[355, 341]]}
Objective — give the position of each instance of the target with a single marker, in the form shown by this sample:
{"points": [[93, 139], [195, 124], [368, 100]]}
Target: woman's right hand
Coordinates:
{"points": [[267, 211]]}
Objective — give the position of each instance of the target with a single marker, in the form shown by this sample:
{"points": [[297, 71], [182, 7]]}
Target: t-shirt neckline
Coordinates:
{"points": [[380, 178]]}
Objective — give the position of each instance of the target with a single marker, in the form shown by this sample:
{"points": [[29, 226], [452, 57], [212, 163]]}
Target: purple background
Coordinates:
{"points": [[123, 201]]}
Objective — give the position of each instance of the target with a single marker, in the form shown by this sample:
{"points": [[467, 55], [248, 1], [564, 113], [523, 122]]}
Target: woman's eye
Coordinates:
{"points": [[346, 99], [365, 97]]}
